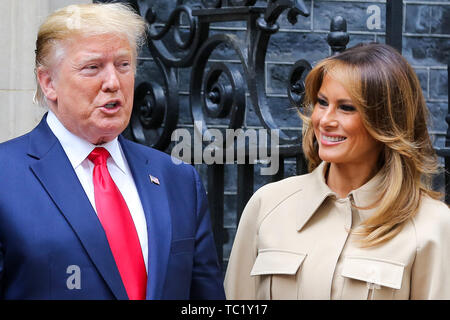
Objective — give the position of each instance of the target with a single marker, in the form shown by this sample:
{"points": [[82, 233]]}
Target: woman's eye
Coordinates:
{"points": [[322, 102], [348, 108]]}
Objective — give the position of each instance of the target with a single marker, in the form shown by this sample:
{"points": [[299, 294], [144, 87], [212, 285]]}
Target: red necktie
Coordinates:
{"points": [[119, 227]]}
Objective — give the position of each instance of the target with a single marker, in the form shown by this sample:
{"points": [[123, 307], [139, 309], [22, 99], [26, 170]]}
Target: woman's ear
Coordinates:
{"points": [[46, 81]]}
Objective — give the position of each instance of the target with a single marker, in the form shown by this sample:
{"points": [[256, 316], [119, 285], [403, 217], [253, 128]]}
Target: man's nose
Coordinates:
{"points": [[111, 80]]}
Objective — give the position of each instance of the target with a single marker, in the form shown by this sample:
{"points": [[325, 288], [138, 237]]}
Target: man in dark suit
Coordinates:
{"points": [[84, 213]]}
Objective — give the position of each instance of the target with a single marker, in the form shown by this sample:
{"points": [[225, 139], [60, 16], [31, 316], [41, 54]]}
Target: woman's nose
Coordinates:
{"points": [[328, 118]]}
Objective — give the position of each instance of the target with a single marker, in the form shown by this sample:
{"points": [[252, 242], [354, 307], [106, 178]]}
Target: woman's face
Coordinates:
{"points": [[338, 128]]}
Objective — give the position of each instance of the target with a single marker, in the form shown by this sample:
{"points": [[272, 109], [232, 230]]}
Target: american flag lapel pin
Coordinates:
{"points": [[154, 180]]}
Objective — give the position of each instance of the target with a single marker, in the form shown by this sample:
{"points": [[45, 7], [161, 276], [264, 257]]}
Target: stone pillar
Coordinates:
{"points": [[19, 22]]}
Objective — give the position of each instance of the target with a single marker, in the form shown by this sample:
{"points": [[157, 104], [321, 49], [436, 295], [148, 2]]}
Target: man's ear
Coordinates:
{"points": [[46, 81]]}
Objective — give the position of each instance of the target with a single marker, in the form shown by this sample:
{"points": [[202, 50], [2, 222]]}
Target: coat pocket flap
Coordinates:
{"points": [[271, 261], [380, 272]]}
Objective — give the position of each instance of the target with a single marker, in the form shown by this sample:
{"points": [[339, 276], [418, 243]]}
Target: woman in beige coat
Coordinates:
{"points": [[365, 223]]}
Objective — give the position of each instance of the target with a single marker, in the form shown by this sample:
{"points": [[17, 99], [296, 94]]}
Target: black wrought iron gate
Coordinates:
{"points": [[220, 93]]}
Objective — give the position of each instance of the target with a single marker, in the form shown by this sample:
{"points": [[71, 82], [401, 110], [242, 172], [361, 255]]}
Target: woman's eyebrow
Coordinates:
{"points": [[321, 95], [345, 101]]}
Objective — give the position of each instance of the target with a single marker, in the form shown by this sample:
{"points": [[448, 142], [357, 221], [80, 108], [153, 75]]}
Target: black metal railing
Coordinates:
{"points": [[225, 90], [217, 90]]}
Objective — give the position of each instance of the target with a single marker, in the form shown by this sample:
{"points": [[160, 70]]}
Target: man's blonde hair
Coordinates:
{"points": [[86, 20]]}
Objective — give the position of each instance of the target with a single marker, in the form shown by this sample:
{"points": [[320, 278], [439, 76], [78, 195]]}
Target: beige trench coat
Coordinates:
{"points": [[293, 242]]}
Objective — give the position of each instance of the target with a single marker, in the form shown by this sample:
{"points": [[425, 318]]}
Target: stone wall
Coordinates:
{"points": [[19, 23]]}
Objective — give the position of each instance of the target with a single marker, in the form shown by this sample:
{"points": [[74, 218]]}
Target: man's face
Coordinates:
{"points": [[91, 88]]}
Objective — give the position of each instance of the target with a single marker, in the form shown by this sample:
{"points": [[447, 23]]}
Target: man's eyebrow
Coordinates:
{"points": [[124, 52], [88, 57]]}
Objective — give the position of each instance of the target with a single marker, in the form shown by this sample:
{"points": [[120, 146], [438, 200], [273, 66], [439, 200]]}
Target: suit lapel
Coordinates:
{"points": [[57, 176], [157, 214]]}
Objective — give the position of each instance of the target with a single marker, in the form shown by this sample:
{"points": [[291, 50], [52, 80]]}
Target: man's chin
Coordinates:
{"points": [[107, 133], [105, 137]]}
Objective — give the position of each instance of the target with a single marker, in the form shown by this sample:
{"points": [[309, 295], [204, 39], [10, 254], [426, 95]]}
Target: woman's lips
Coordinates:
{"points": [[331, 139]]}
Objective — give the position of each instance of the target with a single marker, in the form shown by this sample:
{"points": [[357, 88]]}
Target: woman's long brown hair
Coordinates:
{"points": [[389, 97]]}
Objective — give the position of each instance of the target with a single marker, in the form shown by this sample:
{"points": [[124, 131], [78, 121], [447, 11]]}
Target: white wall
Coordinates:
{"points": [[19, 23]]}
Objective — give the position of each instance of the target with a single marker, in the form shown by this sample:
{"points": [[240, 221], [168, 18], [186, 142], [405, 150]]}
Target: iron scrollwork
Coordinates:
{"points": [[191, 44], [266, 26], [338, 37], [225, 3], [218, 90], [296, 86], [261, 24], [148, 101], [223, 88], [155, 110]]}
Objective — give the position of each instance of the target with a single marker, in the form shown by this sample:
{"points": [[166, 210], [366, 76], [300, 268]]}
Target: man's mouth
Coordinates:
{"points": [[111, 105]]}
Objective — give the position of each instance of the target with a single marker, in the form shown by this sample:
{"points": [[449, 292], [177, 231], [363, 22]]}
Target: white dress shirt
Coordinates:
{"points": [[78, 149]]}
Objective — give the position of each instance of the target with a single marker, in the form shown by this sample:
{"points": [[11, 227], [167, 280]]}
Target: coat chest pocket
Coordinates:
{"points": [[371, 278], [277, 273]]}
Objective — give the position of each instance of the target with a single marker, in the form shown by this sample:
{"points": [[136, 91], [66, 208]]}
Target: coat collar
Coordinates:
{"points": [[78, 149], [156, 209], [317, 191], [69, 196], [55, 172]]}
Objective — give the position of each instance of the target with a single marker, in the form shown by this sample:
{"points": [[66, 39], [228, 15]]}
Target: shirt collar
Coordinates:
{"points": [[77, 149], [318, 191]]}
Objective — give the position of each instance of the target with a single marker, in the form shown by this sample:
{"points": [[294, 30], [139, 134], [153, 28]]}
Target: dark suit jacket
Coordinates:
{"points": [[47, 224]]}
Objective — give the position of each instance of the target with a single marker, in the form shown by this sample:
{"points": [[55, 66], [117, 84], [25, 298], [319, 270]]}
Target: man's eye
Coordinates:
{"points": [[125, 64], [91, 69], [348, 108]]}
